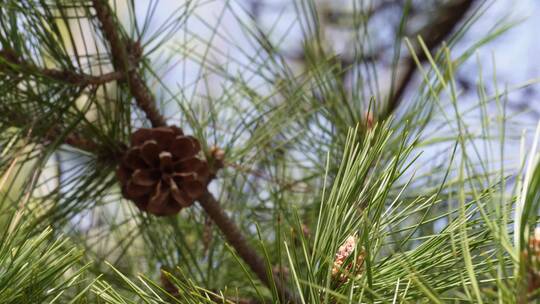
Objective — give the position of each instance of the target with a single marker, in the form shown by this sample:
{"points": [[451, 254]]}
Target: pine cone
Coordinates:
{"points": [[161, 172]]}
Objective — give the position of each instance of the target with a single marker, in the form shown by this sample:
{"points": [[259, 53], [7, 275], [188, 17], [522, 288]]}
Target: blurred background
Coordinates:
{"points": [[360, 36], [511, 55]]}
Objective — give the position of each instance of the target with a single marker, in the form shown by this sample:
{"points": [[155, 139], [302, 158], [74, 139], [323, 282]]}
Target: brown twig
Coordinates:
{"points": [[80, 143], [434, 33], [121, 61], [237, 240], [10, 60], [20, 120]]}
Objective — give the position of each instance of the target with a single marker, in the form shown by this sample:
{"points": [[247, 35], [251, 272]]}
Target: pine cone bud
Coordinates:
{"points": [[218, 157], [167, 285], [369, 120], [532, 255], [161, 171], [340, 269]]}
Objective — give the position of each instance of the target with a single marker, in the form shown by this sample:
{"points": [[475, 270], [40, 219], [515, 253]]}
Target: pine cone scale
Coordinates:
{"points": [[140, 136], [133, 159], [150, 152], [158, 199], [165, 161], [179, 196], [184, 147], [190, 165], [135, 191], [184, 177], [145, 177], [194, 188]]}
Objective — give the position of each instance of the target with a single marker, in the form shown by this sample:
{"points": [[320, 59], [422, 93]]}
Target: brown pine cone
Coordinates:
{"points": [[161, 172]]}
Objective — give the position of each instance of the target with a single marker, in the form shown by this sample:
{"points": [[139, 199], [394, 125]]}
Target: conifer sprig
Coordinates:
{"points": [[146, 102], [321, 196]]}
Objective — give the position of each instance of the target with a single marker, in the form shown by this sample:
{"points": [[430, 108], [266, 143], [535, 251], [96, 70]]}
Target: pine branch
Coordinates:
{"points": [[146, 102], [433, 34], [79, 142], [9, 60], [122, 63]]}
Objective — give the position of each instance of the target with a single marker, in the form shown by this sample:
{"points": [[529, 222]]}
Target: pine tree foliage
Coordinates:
{"points": [[331, 182]]}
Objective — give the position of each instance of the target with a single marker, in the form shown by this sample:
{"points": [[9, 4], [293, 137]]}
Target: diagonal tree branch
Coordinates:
{"points": [[433, 34], [10, 61], [237, 240], [120, 48], [79, 142], [145, 100]]}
